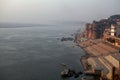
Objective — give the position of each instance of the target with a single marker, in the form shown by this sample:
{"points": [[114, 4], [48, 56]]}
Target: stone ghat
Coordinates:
{"points": [[97, 48], [96, 57]]}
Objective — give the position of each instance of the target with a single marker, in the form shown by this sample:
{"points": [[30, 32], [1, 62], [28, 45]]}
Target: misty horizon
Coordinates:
{"points": [[45, 11]]}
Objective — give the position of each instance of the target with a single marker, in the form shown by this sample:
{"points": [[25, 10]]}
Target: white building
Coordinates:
{"points": [[112, 30]]}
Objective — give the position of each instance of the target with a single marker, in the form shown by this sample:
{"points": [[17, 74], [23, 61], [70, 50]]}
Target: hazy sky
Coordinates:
{"points": [[38, 11]]}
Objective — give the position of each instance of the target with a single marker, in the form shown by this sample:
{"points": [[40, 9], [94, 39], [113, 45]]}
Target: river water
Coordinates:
{"points": [[34, 53]]}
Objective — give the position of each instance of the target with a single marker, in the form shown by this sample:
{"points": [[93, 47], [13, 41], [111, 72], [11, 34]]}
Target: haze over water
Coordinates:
{"points": [[34, 53]]}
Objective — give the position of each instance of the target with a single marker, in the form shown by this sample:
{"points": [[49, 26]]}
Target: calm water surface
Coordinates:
{"points": [[34, 53]]}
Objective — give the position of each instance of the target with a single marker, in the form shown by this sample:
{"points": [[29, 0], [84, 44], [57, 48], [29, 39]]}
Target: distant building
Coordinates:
{"points": [[106, 33], [118, 31], [118, 22], [112, 30], [96, 30], [88, 31]]}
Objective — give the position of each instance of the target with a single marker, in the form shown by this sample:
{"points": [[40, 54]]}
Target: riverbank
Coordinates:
{"points": [[99, 55]]}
